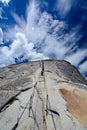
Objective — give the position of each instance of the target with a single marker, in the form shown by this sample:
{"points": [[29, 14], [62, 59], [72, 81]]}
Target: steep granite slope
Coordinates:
{"points": [[42, 95]]}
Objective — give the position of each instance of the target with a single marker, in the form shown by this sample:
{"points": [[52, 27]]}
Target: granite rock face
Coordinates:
{"points": [[42, 95]]}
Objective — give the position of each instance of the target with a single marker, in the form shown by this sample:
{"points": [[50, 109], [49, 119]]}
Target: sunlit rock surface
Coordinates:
{"points": [[42, 95]]}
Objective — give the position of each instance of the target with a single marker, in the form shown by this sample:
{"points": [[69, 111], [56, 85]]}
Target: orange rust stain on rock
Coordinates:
{"points": [[25, 128], [76, 103]]}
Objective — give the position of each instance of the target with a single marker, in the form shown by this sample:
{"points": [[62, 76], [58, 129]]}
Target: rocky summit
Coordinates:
{"points": [[42, 95]]}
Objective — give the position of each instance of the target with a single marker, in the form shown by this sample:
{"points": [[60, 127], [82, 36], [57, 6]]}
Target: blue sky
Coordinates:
{"points": [[43, 29]]}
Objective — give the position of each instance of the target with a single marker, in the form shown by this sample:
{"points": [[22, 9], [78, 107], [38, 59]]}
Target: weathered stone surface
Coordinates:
{"points": [[76, 103], [42, 95]]}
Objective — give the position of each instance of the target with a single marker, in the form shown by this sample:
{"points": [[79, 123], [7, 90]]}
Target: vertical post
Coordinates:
{"points": [[46, 105], [42, 71], [30, 107]]}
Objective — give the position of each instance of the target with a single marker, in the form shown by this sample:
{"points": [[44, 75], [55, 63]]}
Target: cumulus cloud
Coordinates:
{"points": [[40, 36], [19, 47]]}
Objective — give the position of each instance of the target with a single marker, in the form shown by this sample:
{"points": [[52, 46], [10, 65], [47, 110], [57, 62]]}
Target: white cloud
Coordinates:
{"points": [[20, 46], [1, 14], [64, 6], [19, 20], [1, 36], [76, 57], [1, 10], [83, 67], [5, 1], [40, 37]]}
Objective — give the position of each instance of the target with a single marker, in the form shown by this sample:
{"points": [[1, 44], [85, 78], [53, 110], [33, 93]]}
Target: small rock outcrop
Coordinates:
{"points": [[42, 95]]}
